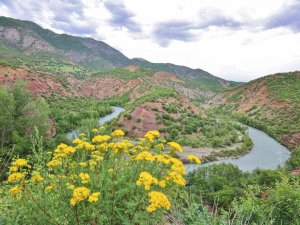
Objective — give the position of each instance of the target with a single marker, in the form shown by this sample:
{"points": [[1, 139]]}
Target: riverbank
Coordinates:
{"points": [[267, 153]]}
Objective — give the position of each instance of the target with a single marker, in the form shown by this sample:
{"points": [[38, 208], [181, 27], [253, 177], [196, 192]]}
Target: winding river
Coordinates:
{"points": [[117, 110], [266, 153]]}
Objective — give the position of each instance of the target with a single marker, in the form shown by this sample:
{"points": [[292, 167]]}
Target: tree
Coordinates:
{"points": [[7, 108]]}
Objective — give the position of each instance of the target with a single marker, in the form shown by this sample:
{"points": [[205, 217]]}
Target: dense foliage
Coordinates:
{"points": [[102, 180], [20, 114], [260, 197]]}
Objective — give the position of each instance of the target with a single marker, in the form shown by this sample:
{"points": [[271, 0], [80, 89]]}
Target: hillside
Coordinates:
{"points": [[271, 103], [24, 44]]}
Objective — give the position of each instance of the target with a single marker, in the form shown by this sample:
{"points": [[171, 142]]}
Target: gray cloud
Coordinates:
{"points": [[165, 32], [173, 30], [289, 17], [121, 17], [68, 15]]}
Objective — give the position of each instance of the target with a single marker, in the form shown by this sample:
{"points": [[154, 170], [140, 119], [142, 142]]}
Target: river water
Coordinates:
{"points": [[117, 110], [266, 153]]}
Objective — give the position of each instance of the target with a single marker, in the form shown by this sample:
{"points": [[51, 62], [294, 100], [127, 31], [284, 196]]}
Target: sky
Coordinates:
{"points": [[234, 39]]}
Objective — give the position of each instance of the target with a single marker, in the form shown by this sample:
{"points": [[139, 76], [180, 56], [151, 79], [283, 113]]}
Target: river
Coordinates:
{"points": [[266, 153], [117, 110]]}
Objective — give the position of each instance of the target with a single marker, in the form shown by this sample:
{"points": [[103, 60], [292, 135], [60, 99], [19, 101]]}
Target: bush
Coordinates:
{"points": [[102, 180]]}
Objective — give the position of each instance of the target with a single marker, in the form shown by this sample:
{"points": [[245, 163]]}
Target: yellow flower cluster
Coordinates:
{"points": [[151, 135], [20, 163], [14, 177], [175, 146], [194, 159], [85, 178], [79, 194], [94, 197], [80, 171], [176, 178], [147, 156], [82, 193], [36, 177], [100, 139], [54, 163], [157, 200], [95, 130], [118, 133], [147, 180], [15, 190]]}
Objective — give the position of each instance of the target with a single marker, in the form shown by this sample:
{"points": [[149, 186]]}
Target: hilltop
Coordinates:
{"points": [[270, 103]]}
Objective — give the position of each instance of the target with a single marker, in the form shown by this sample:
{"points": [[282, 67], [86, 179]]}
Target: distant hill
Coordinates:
{"points": [[271, 103], [24, 44]]}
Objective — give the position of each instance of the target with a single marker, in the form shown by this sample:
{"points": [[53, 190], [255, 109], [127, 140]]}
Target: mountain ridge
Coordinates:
{"points": [[30, 39]]}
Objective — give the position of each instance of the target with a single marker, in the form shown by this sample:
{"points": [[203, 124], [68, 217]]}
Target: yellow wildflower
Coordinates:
{"points": [[82, 135], [15, 190], [94, 197], [77, 141], [13, 169], [36, 177], [49, 187], [176, 178], [157, 200], [100, 139], [159, 146], [175, 146], [69, 150], [85, 178], [151, 135], [73, 201], [15, 177], [98, 158], [95, 130], [162, 183], [59, 156], [20, 162], [54, 163], [194, 159], [118, 133], [147, 156], [177, 166], [80, 193], [147, 180], [92, 162]]}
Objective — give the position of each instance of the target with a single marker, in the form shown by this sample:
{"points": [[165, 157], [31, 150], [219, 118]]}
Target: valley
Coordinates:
{"points": [[80, 121]]}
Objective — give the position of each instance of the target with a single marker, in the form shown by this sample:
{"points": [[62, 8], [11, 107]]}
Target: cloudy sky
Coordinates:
{"points": [[234, 39]]}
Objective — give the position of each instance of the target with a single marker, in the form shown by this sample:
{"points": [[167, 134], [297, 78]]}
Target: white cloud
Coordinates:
{"points": [[227, 38]]}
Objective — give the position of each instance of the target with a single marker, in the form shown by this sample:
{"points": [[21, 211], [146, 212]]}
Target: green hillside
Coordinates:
{"points": [[271, 103]]}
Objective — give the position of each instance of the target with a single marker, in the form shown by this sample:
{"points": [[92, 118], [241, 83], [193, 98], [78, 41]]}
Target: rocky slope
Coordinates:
{"points": [[271, 103]]}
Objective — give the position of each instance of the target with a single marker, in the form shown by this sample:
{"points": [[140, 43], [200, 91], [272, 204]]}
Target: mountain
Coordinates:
{"points": [[24, 44], [271, 103]]}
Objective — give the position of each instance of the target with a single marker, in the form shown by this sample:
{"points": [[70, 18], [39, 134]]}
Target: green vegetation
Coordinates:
{"points": [[70, 112], [101, 180], [191, 129], [260, 197], [277, 122], [154, 94], [141, 72], [20, 114]]}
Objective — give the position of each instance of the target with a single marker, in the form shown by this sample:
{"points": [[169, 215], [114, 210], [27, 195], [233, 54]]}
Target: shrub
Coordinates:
{"points": [[102, 180]]}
